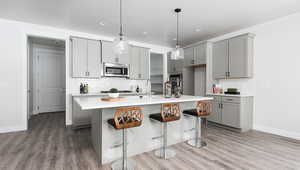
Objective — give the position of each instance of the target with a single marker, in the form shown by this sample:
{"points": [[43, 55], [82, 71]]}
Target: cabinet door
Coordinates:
{"points": [[94, 58], [200, 54], [216, 113], [189, 56], [144, 64], [220, 59], [123, 59], [178, 66], [238, 57], [108, 55], [171, 65], [79, 58], [134, 62], [231, 114]]}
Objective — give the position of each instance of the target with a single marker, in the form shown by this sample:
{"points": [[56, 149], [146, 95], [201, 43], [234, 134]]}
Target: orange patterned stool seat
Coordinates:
{"points": [[169, 113], [203, 109], [125, 118]]}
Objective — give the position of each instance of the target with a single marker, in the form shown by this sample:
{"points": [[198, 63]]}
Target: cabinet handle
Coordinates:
{"points": [[228, 74], [140, 75], [117, 60]]}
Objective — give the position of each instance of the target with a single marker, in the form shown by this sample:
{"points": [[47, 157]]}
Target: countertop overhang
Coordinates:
{"points": [[95, 102]]}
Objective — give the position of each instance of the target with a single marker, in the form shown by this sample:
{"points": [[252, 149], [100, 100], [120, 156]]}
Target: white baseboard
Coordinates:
{"points": [[280, 132], [11, 129]]}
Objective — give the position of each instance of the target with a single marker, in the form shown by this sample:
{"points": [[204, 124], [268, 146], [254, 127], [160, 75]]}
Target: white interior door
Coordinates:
{"points": [[50, 81]]}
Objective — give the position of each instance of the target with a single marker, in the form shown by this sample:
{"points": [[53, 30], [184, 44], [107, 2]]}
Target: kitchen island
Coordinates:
{"points": [[107, 141]]}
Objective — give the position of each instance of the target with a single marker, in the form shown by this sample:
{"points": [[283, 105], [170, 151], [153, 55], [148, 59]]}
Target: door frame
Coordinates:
{"points": [[26, 66], [35, 49]]}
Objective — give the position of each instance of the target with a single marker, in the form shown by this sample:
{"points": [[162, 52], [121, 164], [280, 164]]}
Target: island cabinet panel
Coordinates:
{"points": [[86, 58], [235, 112], [139, 63], [107, 140]]}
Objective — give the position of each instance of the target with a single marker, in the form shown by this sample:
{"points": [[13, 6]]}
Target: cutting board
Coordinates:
{"points": [[110, 99]]}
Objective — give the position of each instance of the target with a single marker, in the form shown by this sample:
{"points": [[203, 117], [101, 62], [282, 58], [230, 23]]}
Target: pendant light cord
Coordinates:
{"points": [[177, 29], [121, 24]]}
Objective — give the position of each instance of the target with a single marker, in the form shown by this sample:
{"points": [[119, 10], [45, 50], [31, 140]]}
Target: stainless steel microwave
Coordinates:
{"points": [[115, 70]]}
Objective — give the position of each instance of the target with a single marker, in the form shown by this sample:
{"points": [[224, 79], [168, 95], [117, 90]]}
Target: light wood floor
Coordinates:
{"points": [[49, 145]]}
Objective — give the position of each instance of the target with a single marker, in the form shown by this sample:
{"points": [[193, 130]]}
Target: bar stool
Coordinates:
{"points": [[169, 113], [203, 109], [125, 118]]}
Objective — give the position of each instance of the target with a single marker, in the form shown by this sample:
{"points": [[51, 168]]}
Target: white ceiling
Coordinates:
{"points": [[156, 17]]}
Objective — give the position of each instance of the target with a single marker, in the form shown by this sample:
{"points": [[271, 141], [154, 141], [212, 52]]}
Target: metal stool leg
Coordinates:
{"points": [[124, 164], [197, 142], [164, 152]]}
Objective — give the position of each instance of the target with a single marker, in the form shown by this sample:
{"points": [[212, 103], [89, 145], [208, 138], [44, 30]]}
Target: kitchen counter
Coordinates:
{"points": [[141, 139], [102, 94], [230, 95], [94, 102]]}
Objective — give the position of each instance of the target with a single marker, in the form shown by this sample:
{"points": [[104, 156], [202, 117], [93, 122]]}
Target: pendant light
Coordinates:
{"points": [[177, 53], [121, 45]]}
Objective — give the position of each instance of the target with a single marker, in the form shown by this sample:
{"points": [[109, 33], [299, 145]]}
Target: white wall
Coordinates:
{"points": [[276, 82], [13, 52]]}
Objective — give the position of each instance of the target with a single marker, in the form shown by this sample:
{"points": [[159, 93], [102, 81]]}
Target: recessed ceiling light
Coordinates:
{"points": [[174, 39], [145, 33], [198, 30], [101, 23]]}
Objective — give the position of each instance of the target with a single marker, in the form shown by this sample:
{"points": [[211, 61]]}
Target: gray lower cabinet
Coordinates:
{"points": [[236, 112], [139, 63], [216, 116], [231, 114], [80, 118]]}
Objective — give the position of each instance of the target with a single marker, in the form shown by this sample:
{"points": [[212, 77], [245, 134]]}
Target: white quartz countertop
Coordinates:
{"points": [[230, 95], [95, 102], [102, 94]]}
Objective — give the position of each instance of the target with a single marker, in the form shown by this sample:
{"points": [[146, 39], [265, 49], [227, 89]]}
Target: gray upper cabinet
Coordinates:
{"points": [[107, 52], [240, 56], [79, 57], [86, 58], [220, 59], [108, 55], [189, 56], [94, 59], [200, 53], [175, 66], [233, 58], [139, 63], [195, 55]]}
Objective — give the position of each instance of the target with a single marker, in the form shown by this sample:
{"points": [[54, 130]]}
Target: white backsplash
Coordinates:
{"points": [[245, 86], [97, 85]]}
